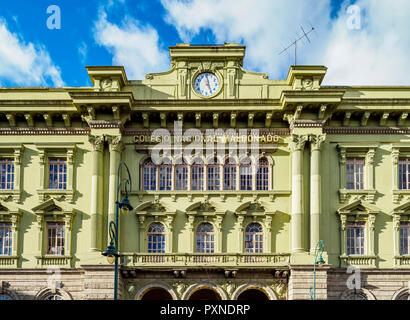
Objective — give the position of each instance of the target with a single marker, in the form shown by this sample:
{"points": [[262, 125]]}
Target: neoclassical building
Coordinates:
{"points": [[278, 166]]}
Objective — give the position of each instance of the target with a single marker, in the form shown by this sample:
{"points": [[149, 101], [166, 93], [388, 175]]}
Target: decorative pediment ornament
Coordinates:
{"points": [[153, 208], [204, 207], [56, 210], [358, 207], [360, 210], [403, 209], [9, 212], [401, 213], [254, 208]]}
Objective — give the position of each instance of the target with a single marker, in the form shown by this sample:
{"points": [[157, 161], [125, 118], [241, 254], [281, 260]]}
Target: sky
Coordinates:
{"points": [[48, 43]]}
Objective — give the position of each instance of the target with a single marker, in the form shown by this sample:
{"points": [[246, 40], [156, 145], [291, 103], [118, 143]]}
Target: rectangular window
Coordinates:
{"points": [[197, 177], [262, 178], [354, 173], [245, 177], [149, 177], [355, 238], [405, 238], [404, 174], [57, 174], [165, 178], [6, 174], [55, 238], [5, 239], [213, 177], [181, 177], [229, 177]]}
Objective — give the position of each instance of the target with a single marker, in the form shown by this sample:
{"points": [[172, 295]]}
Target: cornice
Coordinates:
{"points": [[365, 130], [44, 131]]}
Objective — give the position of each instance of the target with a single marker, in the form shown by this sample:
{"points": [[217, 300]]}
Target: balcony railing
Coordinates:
{"points": [[205, 259], [45, 261], [361, 261]]}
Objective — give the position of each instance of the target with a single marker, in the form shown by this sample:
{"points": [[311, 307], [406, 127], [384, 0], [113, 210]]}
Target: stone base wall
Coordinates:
{"points": [[87, 282], [333, 284], [375, 284], [301, 282], [228, 284], [96, 282]]}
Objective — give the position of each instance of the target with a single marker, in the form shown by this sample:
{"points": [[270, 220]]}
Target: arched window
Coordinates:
{"points": [[262, 175], [245, 172], [197, 175], [165, 177], [149, 175], [181, 176], [214, 175], [254, 238], [205, 238], [156, 238], [230, 175]]}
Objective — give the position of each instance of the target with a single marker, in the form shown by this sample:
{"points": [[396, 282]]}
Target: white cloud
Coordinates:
{"points": [[82, 51], [375, 54], [132, 45], [25, 63]]}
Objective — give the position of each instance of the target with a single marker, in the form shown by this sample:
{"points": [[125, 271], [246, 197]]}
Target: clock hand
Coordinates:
{"points": [[207, 83]]}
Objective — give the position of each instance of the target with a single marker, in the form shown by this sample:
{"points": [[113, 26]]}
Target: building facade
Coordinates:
{"points": [[331, 163]]}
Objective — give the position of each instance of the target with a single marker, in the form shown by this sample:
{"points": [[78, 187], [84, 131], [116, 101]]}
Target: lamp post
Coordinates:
{"points": [[320, 262], [112, 250]]}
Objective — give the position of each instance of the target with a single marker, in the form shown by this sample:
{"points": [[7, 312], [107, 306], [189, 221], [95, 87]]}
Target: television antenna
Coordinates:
{"points": [[294, 43]]}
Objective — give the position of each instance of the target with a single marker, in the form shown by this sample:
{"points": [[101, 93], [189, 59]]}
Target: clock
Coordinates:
{"points": [[206, 84]]}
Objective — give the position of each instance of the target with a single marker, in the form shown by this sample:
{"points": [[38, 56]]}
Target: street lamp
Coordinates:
{"points": [[319, 262], [125, 206]]}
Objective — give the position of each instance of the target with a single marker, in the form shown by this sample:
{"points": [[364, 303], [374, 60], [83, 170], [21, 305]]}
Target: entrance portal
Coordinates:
{"points": [[205, 294], [157, 294], [253, 294]]}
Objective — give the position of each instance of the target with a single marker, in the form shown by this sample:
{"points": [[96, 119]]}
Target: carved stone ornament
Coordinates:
{"points": [[116, 143], [307, 83], [316, 141], [97, 142], [106, 84], [298, 142]]}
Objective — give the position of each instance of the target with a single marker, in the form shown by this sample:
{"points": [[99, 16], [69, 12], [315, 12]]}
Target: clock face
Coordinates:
{"points": [[206, 84]]}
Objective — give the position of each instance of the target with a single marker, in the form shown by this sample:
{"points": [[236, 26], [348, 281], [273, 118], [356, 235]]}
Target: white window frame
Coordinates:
{"points": [[51, 151]]}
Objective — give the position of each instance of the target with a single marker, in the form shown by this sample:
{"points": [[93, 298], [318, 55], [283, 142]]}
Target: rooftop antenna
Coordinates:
{"points": [[294, 43]]}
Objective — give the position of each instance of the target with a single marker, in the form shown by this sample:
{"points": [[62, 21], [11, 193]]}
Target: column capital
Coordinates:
{"points": [[115, 143], [298, 142], [316, 141], [97, 142]]}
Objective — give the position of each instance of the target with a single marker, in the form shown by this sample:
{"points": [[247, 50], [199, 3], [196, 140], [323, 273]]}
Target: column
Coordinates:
{"points": [[219, 235], [297, 146], [396, 236], [343, 234], [190, 227], [169, 222], [96, 208], [315, 189], [268, 239], [116, 147], [141, 220], [240, 219]]}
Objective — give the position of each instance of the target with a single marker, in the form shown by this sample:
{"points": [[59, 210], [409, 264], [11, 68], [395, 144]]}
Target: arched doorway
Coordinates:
{"points": [[156, 294], [205, 294], [253, 295]]}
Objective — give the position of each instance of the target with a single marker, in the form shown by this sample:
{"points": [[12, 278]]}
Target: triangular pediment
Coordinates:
{"points": [[6, 208], [50, 205], [402, 209], [358, 207]]}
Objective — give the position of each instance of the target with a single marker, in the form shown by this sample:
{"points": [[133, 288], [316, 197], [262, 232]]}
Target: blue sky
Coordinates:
{"points": [[137, 33]]}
